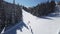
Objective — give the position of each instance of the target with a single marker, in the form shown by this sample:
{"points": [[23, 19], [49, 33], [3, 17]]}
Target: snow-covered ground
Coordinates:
{"points": [[35, 25], [41, 25]]}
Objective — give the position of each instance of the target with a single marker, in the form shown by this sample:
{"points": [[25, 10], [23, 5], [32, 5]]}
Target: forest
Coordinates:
{"points": [[42, 9]]}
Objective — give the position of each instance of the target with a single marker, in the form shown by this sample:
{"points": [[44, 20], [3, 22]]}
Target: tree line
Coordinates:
{"points": [[42, 9]]}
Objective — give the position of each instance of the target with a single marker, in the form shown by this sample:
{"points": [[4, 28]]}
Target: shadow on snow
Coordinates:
{"points": [[12, 30]]}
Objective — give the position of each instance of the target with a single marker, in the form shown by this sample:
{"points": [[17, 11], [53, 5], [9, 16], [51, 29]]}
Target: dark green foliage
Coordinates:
{"points": [[6, 10], [2, 16], [42, 9]]}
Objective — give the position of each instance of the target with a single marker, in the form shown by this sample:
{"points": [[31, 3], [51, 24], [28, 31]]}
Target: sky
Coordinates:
{"points": [[27, 3]]}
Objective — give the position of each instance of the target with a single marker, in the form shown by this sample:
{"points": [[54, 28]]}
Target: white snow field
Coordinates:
{"points": [[48, 25], [41, 25]]}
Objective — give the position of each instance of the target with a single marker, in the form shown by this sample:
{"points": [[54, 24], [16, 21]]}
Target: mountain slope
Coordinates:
{"points": [[34, 25], [41, 25]]}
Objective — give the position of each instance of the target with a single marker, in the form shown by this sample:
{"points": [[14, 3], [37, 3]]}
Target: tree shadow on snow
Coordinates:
{"points": [[54, 15], [51, 15], [44, 17], [13, 29]]}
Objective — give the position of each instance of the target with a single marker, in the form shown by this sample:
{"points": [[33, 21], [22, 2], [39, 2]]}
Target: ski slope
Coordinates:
{"points": [[35, 25], [41, 25]]}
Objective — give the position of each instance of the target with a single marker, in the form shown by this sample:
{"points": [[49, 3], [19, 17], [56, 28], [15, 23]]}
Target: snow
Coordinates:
{"points": [[41, 25], [35, 25]]}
